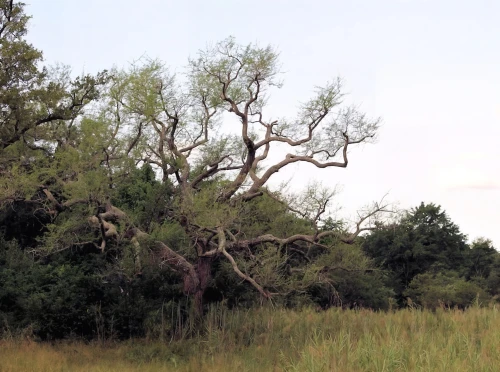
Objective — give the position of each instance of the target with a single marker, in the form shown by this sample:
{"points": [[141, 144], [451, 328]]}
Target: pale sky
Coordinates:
{"points": [[430, 69]]}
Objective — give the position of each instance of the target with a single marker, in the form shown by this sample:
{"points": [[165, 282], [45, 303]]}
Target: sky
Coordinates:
{"points": [[429, 68]]}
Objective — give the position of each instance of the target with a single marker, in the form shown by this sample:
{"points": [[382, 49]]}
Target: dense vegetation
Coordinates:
{"points": [[128, 208]]}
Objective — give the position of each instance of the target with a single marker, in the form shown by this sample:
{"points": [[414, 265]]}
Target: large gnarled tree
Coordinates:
{"points": [[208, 138]]}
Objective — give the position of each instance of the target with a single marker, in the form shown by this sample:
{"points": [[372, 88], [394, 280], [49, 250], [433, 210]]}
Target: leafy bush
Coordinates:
{"points": [[444, 289]]}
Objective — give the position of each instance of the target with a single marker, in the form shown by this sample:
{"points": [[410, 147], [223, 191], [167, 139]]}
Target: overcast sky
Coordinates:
{"points": [[430, 69]]}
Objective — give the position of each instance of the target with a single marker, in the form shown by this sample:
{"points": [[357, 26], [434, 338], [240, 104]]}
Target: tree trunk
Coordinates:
{"points": [[203, 270]]}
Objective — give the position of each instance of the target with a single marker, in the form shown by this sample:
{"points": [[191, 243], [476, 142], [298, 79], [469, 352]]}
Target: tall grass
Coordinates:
{"points": [[285, 340]]}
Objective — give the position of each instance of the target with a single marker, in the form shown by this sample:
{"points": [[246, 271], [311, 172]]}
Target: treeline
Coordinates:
{"points": [[429, 262], [126, 210], [422, 260]]}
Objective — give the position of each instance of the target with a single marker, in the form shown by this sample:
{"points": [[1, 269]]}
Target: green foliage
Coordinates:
{"points": [[40, 108], [21, 82], [266, 215], [227, 60], [444, 289], [493, 279], [350, 279], [50, 298], [428, 260], [424, 240], [481, 258], [31, 99], [79, 294], [140, 194]]}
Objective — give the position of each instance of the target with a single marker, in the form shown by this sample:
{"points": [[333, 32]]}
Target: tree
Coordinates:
{"points": [[210, 182], [425, 239], [35, 103], [493, 280], [30, 96], [481, 258]]}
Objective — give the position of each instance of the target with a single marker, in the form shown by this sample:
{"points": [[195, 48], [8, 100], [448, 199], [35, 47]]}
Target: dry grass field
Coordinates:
{"points": [[282, 340]]}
